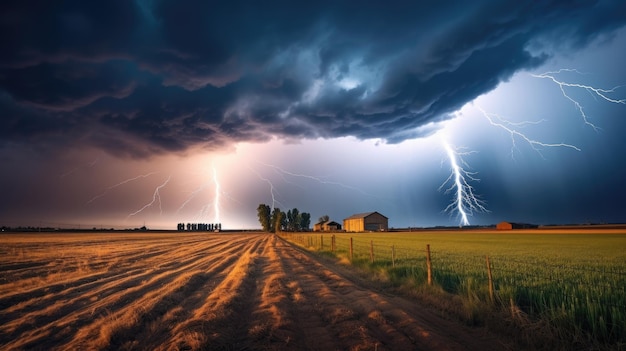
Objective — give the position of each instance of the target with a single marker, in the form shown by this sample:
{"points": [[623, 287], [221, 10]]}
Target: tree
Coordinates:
{"points": [[289, 220], [263, 212], [293, 220], [278, 220], [324, 218], [305, 221]]}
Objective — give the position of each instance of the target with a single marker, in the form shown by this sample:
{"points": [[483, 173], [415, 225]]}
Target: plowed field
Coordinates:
{"points": [[201, 291]]}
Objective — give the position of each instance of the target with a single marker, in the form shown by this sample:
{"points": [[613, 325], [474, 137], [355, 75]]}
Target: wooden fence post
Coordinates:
{"points": [[393, 255], [351, 249], [321, 243], [490, 278], [332, 243], [372, 251], [429, 266]]}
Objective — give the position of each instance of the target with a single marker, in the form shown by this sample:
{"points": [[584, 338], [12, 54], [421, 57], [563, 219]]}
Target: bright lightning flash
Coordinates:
{"points": [[465, 201], [205, 210]]}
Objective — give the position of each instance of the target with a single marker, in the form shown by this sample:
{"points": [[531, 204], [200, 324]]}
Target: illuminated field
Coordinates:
{"points": [[201, 291], [573, 278]]}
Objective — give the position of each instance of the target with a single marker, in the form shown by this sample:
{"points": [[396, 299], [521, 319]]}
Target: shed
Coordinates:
{"points": [[327, 226], [511, 225], [504, 226], [368, 221]]}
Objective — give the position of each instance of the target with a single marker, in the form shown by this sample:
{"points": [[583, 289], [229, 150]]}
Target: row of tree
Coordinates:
{"points": [[276, 220], [199, 227]]}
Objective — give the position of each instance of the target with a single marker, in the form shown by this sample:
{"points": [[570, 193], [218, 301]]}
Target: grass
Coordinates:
{"points": [[574, 282]]}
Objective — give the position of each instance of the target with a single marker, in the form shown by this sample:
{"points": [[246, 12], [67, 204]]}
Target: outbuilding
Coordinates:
{"points": [[504, 226], [511, 225], [368, 221], [327, 226]]}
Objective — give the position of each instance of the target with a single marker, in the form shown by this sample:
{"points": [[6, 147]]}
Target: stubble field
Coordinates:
{"points": [[201, 291]]}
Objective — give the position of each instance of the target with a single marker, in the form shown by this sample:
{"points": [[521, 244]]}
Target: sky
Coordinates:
{"points": [[128, 113]]}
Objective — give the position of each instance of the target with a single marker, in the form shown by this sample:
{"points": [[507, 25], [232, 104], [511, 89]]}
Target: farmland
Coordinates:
{"points": [[574, 280], [168, 291]]}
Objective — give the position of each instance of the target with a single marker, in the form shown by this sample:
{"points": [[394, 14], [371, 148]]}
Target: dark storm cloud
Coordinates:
{"points": [[143, 77]]}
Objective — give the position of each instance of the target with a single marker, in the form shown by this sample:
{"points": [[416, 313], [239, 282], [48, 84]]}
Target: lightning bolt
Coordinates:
{"points": [[155, 197], [595, 92], [274, 201], [216, 201], [87, 165], [119, 184], [317, 179], [215, 204], [509, 127], [465, 201], [192, 196]]}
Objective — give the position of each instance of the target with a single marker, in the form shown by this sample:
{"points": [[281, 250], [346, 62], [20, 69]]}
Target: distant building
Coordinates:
{"points": [[511, 225], [326, 226], [369, 221]]}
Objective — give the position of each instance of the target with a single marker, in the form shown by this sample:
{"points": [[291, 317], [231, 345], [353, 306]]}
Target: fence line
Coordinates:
{"points": [[592, 298], [495, 272]]}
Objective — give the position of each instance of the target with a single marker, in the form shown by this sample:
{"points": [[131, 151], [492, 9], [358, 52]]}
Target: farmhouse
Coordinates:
{"points": [[369, 221], [326, 226], [511, 225]]}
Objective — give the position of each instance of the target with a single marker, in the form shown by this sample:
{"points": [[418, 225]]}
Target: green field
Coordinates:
{"points": [[575, 280]]}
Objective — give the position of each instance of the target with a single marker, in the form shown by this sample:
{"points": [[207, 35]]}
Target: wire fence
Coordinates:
{"points": [[590, 298]]}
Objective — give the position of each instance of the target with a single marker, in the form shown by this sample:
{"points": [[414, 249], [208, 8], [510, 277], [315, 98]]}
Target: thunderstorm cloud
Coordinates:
{"points": [[138, 78]]}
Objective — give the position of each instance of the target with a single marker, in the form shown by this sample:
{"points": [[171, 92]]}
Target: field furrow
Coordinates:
{"points": [[197, 292]]}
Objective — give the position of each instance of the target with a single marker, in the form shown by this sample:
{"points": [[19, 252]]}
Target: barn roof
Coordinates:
{"points": [[365, 214], [326, 222]]}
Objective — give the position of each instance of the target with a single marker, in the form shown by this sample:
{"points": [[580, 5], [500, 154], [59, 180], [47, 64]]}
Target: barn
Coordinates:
{"points": [[369, 221], [504, 226], [511, 225], [326, 226]]}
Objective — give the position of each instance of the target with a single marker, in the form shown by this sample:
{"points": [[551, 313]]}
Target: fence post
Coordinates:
{"points": [[393, 255], [429, 267], [332, 243], [490, 279], [372, 251], [321, 243], [351, 252]]}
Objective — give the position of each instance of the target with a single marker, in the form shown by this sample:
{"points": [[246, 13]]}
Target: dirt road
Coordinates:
{"points": [[201, 291]]}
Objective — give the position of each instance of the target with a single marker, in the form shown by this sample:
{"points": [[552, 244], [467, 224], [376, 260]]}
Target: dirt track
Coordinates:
{"points": [[208, 291]]}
